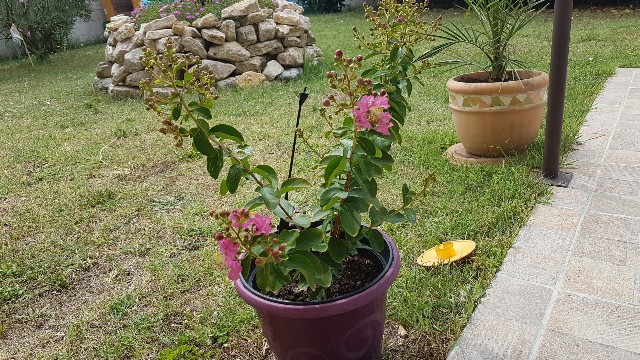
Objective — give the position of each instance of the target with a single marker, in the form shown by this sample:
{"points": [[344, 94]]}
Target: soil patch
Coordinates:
{"points": [[357, 271]]}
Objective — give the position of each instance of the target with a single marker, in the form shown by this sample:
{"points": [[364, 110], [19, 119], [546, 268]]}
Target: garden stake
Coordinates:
{"points": [[303, 97]]}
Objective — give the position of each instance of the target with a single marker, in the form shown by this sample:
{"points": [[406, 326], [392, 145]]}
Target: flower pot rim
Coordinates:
{"points": [[530, 80], [331, 306]]}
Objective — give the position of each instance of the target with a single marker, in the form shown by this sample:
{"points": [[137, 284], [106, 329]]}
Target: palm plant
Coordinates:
{"points": [[500, 21]]}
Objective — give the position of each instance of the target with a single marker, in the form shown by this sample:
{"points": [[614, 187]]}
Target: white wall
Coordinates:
{"points": [[83, 31]]}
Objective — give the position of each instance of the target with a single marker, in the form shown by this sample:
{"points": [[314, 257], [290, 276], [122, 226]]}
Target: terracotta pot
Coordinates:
{"points": [[345, 328], [501, 118]]}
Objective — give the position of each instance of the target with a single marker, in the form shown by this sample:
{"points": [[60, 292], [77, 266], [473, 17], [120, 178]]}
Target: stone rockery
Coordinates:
{"points": [[246, 46]]}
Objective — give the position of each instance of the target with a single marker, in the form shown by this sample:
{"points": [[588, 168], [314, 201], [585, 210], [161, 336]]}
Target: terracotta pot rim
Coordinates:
{"points": [[496, 110], [530, 80]]}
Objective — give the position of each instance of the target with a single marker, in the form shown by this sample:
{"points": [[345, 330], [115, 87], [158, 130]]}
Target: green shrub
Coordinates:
{"points": [[45, 25]]}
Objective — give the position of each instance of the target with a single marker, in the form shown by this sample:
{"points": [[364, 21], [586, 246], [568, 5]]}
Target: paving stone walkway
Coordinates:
{"points": [[570, 285]]}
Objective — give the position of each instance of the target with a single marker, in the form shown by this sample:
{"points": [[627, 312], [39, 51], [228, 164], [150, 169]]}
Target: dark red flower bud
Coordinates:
{"points": [[163, 130], [275, 253], [339, 54], [359, 58], [383, 92], [326, 102], [259, 262], [282, 247], [331, 97], [166, 122]]}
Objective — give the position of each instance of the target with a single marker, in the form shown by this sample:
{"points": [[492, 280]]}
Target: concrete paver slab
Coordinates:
{"points": [[556, 345], [600, 279], [602, 322]]}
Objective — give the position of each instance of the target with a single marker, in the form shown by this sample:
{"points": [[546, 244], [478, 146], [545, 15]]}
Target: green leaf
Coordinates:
{"points": [[334, 167], [367, 145], [309, 238], [329, 196], [266, 172], [301, 220], [202, 144], [203, 112], [337, 196], [215, 163], [188, 76], [234, 177], [319, 214], [396, 217], [337, 249], [271, 199], [246, 266], [376, 240], [407, 195], [283, 209], [271, 277], [177, 110], [253, 203], [350, 220], [378, 215], [410, 214], [228, 132], [223, 187], [302, 264], [294, 184], [369, 186]]}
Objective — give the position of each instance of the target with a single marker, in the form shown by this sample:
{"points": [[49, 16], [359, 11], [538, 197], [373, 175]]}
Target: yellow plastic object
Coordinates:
{"points": [[447, 252]]}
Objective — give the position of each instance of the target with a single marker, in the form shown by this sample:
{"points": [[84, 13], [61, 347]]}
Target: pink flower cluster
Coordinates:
{"points": [[371, 114], [241, 225], [229, 249], [191, 9]]}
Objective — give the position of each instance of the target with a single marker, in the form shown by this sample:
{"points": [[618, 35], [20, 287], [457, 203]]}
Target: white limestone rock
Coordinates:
{"points": [[194, 46], [255, 64], [291, 57], [266, 30], [272, 70], [241, 8], [206, 22], [229, 51], [246, 35], [219, 70], [214, 36], [162, 23], [228, 28], [133, 60], [271, 47]]}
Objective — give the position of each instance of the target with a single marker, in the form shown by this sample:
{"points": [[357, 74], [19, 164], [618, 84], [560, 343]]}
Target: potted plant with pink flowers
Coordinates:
{"points": [[318, 281]]}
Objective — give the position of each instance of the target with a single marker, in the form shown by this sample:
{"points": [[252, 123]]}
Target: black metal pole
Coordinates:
{"points": [[557, 87], [301, 99]]}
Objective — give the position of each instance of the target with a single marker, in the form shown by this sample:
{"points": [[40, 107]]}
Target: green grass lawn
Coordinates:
{"points": [[104, 233]]}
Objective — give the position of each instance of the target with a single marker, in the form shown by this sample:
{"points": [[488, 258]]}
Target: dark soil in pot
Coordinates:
{"points": [[357, 271]]}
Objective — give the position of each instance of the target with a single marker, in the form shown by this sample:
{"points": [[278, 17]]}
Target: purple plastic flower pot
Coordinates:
{"points": [[348, 327]]}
